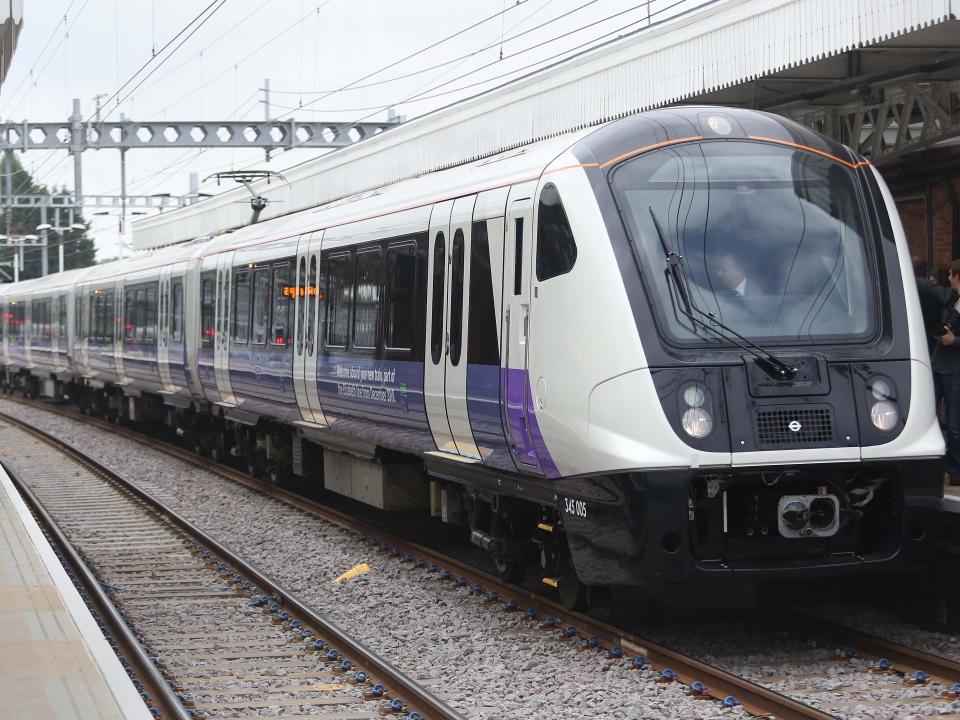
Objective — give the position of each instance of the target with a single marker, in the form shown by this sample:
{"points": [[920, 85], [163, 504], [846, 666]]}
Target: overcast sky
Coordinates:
{"points": [[307, 48]]}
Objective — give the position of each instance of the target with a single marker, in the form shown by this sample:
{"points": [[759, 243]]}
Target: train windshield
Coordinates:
{"points": [[772, 240]]}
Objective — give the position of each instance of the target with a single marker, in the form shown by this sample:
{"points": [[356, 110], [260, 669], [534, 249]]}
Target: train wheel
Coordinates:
{"points": [[573, 594], [509, 569]]}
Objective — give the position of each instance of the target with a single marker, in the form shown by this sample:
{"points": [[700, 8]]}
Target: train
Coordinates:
{"points": [[680, 352]]}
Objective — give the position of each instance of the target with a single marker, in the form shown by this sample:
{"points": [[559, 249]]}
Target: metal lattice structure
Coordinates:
{"points": [[77, 136], [893, 120]]}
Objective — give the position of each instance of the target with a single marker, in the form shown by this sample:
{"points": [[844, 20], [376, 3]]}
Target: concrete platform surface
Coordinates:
{"points": [[54, 661]]}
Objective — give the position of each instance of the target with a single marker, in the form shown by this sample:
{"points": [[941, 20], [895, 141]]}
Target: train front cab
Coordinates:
{"points": [[781, 423]]}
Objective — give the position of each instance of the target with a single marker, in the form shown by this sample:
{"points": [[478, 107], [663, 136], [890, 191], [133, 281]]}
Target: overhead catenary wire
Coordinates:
{"points": [[33, 72], [535, 66], [190, 29]]}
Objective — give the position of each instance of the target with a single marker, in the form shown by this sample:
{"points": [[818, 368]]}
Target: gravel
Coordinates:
{"points": [[485, 662]]}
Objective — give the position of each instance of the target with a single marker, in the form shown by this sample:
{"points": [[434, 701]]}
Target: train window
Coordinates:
{"points": [[261, 306], [313, 291], [62, 318], [401, 288], [518, 256], [556, 248], [338, 300], [456, 296], [241, 307], [78, 316], [482, 347], [207, 300], [436, 321], [282, 323], [98, 318], [109, 314], [140, 327], [366, 300], [129, 315], [150, 321], [301, 302], [176, 307]]}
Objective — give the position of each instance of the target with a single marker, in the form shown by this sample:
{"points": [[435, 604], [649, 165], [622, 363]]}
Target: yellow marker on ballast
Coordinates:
{"points": [[352, 573]]}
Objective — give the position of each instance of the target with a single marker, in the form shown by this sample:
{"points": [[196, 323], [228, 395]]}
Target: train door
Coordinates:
{"points": [[308, 301], [117, 328], [434, 365], [458, 318], [163, 330], [221, 342], [515, 381]]}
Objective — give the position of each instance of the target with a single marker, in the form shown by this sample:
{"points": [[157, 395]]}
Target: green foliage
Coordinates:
{"points": [[78, 249]]}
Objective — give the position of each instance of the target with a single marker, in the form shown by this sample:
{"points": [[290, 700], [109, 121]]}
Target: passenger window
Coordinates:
{"points": [[313, 291], [436, 322], [62, 320], [261, 306], [366, 300], [150, 320], [518, 256], [482, 347], [556, 249], [302, 302], [108, 318], [176, 306], [207, 300], [142, 316], [456, 299], [78, 316], [281, 332], [399, 321], [130, 315], [241, 308], [339, 291]]}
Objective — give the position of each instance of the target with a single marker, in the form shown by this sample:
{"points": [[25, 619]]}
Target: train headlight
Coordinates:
{"points": [[884, 415], [693, 396], [880, 389], [697, 422]]}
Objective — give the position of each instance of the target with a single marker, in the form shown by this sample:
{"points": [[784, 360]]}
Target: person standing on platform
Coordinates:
{"points": [[946, 372], [932, 301]]}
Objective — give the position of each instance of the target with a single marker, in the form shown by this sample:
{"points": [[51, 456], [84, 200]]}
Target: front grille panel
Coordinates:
{"points": [[774, 426]]}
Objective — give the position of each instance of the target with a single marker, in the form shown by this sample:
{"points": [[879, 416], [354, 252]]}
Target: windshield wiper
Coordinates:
{"points": [[766, 360]]}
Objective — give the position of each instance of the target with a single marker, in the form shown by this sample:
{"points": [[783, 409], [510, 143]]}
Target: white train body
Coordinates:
{"points": [[540, 345]]}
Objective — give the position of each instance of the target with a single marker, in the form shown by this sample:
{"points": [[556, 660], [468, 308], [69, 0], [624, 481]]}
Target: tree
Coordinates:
{"points": [[78, 249]]}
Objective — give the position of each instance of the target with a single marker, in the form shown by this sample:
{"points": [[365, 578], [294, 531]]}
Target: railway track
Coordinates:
{"points": [[208, 634], [894, 667]]}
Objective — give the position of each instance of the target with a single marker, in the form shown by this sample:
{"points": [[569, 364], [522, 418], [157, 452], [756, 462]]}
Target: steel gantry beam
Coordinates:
{"points": [[132, 202], [130, 135], [892, 120]]}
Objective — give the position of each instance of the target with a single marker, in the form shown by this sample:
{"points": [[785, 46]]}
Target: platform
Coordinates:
{"points": [[54, 661]]}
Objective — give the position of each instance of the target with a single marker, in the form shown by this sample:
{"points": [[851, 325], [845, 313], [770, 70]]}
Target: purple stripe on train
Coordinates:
{"points": [[531, 449]]}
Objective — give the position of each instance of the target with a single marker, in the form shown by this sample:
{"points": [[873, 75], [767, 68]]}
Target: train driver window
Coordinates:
{"points": [[556, 249], [176, 307], [207, 329], [261, 306], [366, 301], [281, 322], [401, 287]]}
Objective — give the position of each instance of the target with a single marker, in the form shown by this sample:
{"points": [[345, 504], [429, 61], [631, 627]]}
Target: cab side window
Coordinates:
{"points": [[556, 248]]}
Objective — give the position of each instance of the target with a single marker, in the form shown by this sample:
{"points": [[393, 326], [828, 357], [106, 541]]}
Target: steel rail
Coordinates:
{"points": [[720, 684], [905, 659], [160, 692], [417, 697]]}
